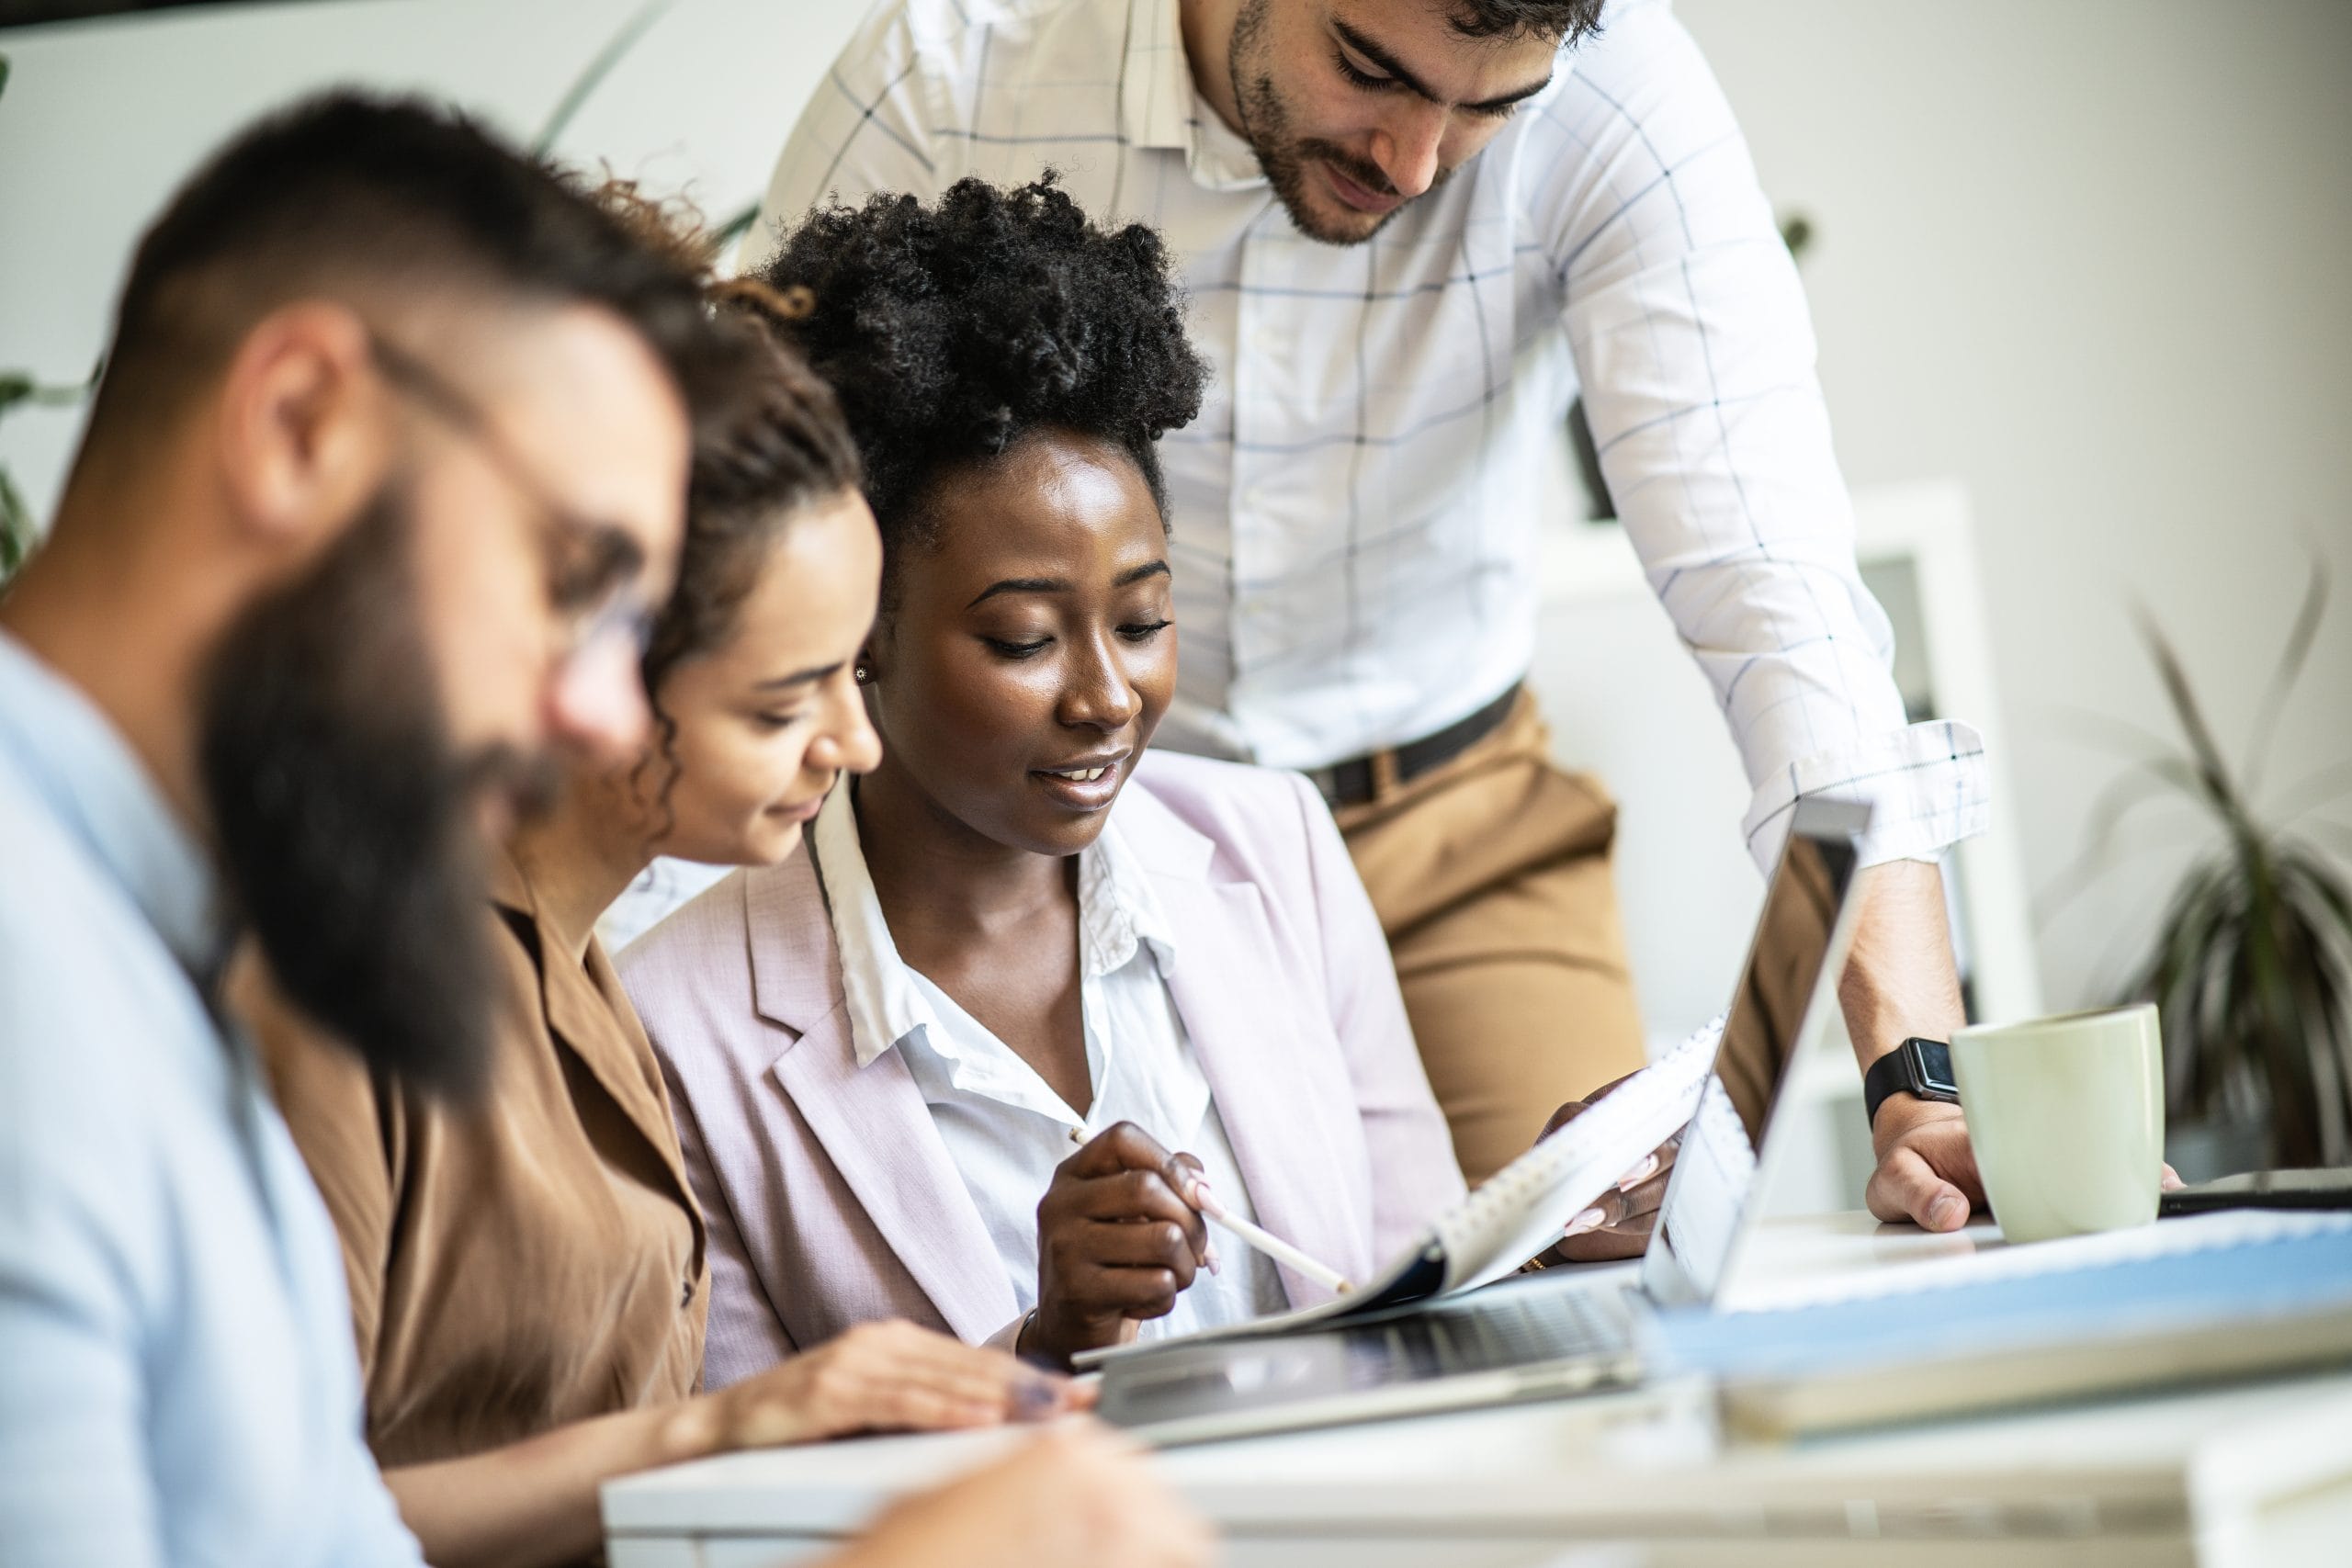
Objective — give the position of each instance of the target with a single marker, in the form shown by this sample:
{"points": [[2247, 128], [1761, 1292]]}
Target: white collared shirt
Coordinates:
{"points": [[1005, 1129], [1355, 509]]}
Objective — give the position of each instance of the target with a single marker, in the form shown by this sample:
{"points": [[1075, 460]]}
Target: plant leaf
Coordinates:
{"points": [[2282, 680], [2278, 951], [2201, 748], [2143, 782], [734, 229], [2314, 792], [18, 386], [2332, 1044], [2311, 979], [597, 70], [2319, 882], [15, 528], [2110, 734], [2177, 978], [62, 397]]}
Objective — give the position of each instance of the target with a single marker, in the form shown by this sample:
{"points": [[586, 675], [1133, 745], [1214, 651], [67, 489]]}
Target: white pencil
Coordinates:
{"points": [[1270, 1245]]}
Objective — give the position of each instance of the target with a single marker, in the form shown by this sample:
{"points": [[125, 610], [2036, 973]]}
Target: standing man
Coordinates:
{"points": [[1412, 229]]}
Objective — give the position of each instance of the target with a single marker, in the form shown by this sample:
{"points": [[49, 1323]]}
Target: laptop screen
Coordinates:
{"points": [[1787, 994]]}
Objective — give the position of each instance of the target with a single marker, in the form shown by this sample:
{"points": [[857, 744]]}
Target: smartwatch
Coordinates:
{"points": [[1921, 1069]]}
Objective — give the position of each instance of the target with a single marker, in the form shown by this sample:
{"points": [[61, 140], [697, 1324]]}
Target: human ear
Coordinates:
{"points": [[867, 668], [303, 433]]}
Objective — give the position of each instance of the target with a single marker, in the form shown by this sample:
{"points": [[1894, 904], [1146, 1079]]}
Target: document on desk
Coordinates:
{"points": [[2224, 1231], [1518, 1212], [2221, 1295]]}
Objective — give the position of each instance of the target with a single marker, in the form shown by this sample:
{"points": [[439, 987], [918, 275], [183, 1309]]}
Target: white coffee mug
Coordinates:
{"points": [[2067, 1118]]}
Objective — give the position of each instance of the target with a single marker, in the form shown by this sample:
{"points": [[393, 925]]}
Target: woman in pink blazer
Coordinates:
{"points": [[971, 1059]]}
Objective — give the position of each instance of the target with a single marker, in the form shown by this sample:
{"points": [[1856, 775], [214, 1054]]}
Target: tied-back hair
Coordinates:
{"points": [[781, 448]]}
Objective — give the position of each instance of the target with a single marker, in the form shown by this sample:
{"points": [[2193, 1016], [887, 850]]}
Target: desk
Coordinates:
{"points": [[2255, 1476]]}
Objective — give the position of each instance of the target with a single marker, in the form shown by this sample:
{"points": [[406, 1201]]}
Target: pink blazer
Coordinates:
{"points": [[829, 1195]]}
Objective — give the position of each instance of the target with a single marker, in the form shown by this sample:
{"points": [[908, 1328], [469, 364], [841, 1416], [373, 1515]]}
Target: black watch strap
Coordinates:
{"points": [[1919, 1067]]}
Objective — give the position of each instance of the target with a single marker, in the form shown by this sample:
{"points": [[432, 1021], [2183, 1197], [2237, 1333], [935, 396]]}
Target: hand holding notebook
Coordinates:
{"points": [[1522, 1210]]}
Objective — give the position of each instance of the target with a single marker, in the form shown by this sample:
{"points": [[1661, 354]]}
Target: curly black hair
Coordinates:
{"points": [[951, 331]]}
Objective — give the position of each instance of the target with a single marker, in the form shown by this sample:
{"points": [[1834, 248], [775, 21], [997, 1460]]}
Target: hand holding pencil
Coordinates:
{"points": [[1120, 1237], [1118, 1241]]}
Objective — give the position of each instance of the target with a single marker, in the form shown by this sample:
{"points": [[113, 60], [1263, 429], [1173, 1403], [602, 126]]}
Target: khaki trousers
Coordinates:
{"points": [[1491, 877]]}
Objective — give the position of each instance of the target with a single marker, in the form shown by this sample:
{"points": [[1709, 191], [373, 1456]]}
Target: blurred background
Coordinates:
{"points": [[2078, 273]]}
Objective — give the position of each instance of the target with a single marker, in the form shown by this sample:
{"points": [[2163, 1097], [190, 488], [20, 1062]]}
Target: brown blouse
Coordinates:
{"points": [[532, 1262]]}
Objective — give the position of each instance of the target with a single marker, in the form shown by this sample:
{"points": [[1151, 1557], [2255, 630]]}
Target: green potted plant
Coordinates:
{"points": [[2251, 964]]}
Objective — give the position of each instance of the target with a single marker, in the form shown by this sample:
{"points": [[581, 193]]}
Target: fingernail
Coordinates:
{"points": [[1208, 1258], [1639, 1174], [1200, 1191], [1590, 1220], [1947, 1213]]}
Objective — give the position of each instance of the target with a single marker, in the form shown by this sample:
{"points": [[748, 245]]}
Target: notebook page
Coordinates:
{"points": [[1523, 1207], [1513, 1215]]}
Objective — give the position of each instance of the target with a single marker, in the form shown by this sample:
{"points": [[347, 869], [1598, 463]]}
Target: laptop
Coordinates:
{"points": [[1566, 1330]]}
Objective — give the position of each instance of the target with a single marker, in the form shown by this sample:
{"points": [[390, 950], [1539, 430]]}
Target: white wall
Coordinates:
{"points": [[102, 119], [2087, 257]]}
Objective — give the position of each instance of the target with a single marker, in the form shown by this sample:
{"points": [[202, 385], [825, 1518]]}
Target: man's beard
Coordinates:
{"points": [[1265, 121], [346, 822]]}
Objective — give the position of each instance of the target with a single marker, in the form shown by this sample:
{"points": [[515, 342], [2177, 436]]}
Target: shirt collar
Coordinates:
{"points": [[1117, 909], [1118, 912], [1158, 107], [85, 771], [884, 1004]]}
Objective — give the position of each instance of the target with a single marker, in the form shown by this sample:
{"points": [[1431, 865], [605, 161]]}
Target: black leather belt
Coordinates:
{"points": [[1356, 781]]}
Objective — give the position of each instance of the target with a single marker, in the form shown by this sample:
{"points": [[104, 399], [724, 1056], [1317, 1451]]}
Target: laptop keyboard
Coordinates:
{"points": [[1504, 1328]]}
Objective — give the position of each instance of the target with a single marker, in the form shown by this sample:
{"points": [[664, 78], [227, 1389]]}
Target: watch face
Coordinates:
{"points": [[1932, 1060]]}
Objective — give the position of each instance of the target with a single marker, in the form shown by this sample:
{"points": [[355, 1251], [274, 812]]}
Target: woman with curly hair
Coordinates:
{"points": [[971, 1059], [529, 1276]]}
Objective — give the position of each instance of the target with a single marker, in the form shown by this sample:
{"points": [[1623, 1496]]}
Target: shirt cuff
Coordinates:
{"points": [[1008, 1338], [1926, 783]]}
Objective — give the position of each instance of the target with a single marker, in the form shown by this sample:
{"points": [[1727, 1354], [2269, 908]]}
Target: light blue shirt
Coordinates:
{"points": [[177, 1383]]}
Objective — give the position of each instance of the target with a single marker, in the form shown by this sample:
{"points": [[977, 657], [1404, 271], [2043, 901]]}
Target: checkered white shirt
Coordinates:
{"points": [[1354, 511]]}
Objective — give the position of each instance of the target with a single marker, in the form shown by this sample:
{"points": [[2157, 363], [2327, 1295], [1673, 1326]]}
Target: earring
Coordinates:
{"points": [[860, 674]]}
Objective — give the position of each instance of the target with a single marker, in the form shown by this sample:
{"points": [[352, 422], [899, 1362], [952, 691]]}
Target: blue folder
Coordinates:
{"points": [[2244, 1282]]}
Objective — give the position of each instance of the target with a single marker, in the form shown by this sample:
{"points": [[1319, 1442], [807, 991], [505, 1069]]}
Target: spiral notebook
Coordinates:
{"points": [[1518, 1212]]}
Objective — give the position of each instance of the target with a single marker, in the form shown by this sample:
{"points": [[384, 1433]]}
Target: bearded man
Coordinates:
{"points": [[1412, 232], [390, 460]]}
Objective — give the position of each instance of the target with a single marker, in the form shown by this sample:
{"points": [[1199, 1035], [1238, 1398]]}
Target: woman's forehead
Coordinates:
{"points": [[1053, 496]]}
